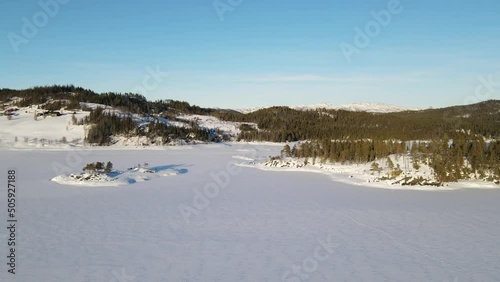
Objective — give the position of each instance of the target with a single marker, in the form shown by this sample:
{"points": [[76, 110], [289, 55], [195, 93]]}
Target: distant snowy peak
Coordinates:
{"points": [[362, 107], [251, 110], [356, 107]]}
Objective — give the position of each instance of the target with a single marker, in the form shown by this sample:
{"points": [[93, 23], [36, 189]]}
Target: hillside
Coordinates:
{"points": [[179, 119], [281, 124], [77, 127]]}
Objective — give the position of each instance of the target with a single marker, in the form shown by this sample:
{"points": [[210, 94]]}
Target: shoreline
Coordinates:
{"points": [[358, 180]]}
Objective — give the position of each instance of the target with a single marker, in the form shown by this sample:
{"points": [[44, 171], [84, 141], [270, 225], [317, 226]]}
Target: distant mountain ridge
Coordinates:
{"points": [[355, 107]]}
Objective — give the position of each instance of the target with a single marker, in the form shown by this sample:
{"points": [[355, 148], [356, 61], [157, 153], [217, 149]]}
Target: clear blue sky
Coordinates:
{"points": [[264, 52]]}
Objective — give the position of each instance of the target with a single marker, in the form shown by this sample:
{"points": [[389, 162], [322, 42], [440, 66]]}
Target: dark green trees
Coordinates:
{"points": [[98, 167], [109, 167]]}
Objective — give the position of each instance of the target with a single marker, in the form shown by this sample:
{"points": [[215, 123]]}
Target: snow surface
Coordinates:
{"points": [[245, 224]]}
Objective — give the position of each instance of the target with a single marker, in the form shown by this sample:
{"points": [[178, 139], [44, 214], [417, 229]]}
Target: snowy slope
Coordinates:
{"points": [[245, 224], [230, 127], [51, 128], [250, 110]]}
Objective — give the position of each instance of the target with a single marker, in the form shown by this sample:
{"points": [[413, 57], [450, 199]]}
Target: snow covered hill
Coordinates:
{"points": [[209, 122], [21, 130]]}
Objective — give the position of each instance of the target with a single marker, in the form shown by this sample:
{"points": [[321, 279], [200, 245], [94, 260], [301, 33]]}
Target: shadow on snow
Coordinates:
{"points": [[174, 167]]}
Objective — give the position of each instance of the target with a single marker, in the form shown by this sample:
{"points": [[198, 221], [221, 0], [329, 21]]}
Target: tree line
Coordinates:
{"points": [[126, 102], [282, 124], [104, 125]]}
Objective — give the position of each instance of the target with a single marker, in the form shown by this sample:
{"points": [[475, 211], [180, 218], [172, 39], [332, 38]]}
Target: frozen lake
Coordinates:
{"points": [[251, 225]]}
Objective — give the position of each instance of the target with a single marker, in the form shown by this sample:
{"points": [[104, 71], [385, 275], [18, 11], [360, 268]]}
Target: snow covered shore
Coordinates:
{"points": [[367, 175]]}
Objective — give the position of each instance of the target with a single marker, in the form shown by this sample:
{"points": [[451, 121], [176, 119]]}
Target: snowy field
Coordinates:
{"points": [[220, 222], [23, 126]]}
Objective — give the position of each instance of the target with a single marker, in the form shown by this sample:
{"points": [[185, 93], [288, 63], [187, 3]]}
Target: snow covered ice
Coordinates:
{"points": [[217, 221]]}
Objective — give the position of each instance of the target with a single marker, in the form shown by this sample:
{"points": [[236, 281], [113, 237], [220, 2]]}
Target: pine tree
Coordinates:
{"points": [[109, 167], [99, 166], [286, 152], [390, 164], [89, 167]]}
